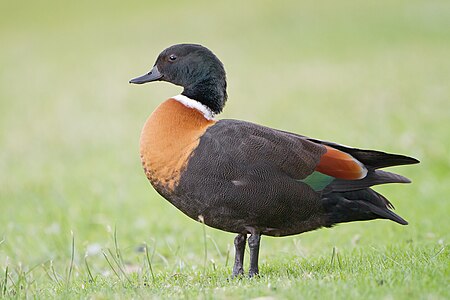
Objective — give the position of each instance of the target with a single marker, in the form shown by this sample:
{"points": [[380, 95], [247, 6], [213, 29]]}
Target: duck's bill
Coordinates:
{"points": [[153, 75]]}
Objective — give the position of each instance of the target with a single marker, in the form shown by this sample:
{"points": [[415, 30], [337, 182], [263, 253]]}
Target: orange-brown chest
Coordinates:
{"points": [[170, 135]]}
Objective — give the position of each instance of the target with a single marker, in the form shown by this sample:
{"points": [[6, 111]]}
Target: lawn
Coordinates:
{"points": [[78, 218]]}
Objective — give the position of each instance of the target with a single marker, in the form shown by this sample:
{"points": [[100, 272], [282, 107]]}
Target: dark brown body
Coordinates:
{"points": [[239, 176]]}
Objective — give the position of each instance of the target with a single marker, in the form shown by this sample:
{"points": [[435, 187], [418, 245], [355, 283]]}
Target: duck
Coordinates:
{"points": [[249, 179]]}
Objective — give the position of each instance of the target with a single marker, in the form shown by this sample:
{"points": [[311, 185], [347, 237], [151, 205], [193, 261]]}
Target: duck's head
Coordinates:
{"points": [[196, 69]]}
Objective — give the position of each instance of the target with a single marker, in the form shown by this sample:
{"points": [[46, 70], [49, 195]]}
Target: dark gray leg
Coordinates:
{"points": [[253, 244], [239, 246]]}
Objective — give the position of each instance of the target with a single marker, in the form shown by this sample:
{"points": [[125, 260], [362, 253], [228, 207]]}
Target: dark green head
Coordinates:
{"points": [[196, 69]]}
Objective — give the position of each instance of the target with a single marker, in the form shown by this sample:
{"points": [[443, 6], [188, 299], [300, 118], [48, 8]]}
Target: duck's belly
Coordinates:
{"points": [[278, 208]]}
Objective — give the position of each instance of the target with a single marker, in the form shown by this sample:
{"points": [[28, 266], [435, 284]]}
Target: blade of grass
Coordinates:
{"points": [[117, 249], [149, 262], [439, 252], [91, 278], [120, 268], [13, 283], [216, 246], [228, 255], [47, 272], [204, 243], [110, 265], [5, 283], [71, 258], [333, 254], [55, 275], [339, 260]]}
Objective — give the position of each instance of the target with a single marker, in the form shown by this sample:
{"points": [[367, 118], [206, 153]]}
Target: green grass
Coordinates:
{"points": [[372, 74]]}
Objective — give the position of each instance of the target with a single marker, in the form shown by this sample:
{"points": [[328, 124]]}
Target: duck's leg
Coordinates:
{"points": [[239, 246], [253, 244]]}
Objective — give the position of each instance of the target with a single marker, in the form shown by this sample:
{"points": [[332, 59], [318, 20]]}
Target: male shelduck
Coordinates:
{"points": [[249, 179]]}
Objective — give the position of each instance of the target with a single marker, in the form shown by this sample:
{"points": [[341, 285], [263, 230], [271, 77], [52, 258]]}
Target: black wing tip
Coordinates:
{"points": [[411, 160], [400, 220], [374, 158], [397, 159]]}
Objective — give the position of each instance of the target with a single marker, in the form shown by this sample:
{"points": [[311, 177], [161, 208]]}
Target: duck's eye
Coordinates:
{"points": [[172, 57]]}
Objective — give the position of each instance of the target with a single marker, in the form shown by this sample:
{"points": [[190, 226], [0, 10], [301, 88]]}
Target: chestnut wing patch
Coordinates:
{"points": [[341, 165]]}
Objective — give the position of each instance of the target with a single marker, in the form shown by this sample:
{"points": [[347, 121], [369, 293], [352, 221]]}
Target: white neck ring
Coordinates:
{"points": [[191, 103]]}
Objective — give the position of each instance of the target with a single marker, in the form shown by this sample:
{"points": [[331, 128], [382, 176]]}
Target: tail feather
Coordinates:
{"points": [[373, 177], [360, 205], [387, 214]]}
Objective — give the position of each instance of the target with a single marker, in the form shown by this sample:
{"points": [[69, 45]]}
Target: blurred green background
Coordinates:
{"points": [[372, 74]]}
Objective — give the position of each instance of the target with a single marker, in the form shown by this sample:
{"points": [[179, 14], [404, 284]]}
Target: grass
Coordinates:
{"points": [[78, 219]]}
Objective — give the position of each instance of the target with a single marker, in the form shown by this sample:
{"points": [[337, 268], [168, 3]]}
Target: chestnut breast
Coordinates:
{"points": [[168, 138]]}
